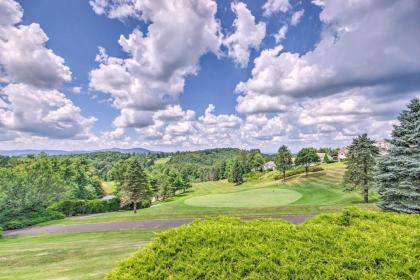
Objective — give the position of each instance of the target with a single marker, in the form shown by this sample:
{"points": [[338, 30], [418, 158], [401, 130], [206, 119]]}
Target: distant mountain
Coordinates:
{"points": [[63, 152]]}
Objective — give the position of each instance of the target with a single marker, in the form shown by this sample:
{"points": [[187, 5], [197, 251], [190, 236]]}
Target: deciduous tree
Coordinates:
{"points": [[306, 157], [283, 160]]}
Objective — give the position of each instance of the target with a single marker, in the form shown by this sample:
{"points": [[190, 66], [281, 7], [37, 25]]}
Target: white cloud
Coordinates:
{"points": [[273, 6], [247, 34], [23, 55], [30, 104], [76, 90], [153, 76], [361, 44], [296, 17], [42, 112], [281, 34]]}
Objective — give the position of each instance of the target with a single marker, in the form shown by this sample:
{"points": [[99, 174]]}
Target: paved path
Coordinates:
{"points": [[146, 224]]}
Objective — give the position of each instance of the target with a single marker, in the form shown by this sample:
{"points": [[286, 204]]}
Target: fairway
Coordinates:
{"points": [[257, 198]]}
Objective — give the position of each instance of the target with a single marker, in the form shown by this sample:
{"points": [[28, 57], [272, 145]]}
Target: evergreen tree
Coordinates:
{"points": [[283, 160], [360, 165], [398, 175], [237, 173], [134, 186], [306, 157]]}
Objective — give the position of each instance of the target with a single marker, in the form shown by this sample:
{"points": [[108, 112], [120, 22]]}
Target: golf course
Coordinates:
{"points": [[90, 255]]}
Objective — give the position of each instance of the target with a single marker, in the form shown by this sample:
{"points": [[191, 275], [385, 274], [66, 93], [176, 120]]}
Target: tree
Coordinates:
{"points": [[134, 186], [283, 160], [398, 174], [257, 161], [360, 165], [306, 157], [237, 172]]}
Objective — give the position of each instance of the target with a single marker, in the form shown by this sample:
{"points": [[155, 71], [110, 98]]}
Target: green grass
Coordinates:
{"points": [[88, 255], [257, 198], [353, 244], [321, 192]]}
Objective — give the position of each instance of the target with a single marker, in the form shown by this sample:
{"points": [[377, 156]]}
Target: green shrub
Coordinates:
{"points": [[348, 245], [9, 220], [298, 170], [253, 175], [73, 207], [1, 232]]}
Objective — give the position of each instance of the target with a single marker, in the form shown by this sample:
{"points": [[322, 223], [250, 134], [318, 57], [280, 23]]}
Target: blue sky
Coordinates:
{"points": [[201, 74]]}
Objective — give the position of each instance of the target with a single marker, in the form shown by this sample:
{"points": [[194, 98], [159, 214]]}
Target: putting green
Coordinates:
{"points": [[256, 198]]}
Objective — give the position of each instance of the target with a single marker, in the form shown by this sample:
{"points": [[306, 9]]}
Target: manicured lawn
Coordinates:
{"points": [[266, 197], [68, 256], [320, 192]]}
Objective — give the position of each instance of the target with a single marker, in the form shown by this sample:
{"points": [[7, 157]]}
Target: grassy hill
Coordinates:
{"points": [[318, 192]]}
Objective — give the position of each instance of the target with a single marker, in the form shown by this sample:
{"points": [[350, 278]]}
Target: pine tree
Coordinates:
{"points": [[283, 160], [237, 173], [360, 165], [134, 186], [398, 175]]}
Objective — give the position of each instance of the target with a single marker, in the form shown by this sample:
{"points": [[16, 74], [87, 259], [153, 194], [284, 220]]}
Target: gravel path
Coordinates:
{"points": [[146, 224]]}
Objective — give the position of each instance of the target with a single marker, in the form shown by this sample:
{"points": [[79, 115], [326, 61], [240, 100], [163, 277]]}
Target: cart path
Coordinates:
{"points": [[142, 224]]}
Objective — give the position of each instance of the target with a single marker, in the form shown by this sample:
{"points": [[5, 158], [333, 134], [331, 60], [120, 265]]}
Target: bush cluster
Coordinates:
{"points": [[10, 220], [73, 207], [299, 170], [353, 244]]}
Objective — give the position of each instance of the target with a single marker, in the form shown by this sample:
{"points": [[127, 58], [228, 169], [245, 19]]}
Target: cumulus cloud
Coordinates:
{"points": [[362, 44], [247, 34], [30, 103], [273, 6], [296, 17], [153, 76], [281, 34]]}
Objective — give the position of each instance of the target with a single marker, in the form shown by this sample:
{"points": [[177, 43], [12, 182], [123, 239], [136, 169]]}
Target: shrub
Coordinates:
{"points": [[348, 245], [9, 220], [73, 207], [253, 175], [1, 232], [299, 170]]}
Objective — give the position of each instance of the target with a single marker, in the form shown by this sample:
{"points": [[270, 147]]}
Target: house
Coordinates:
{"points": [[269, 166], [108, 197], [383, 146], [322, 156], [342, 153]]}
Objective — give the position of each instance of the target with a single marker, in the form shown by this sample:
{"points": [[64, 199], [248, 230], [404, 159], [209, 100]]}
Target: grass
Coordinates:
{"points": [[321, 192], [266, 197], [88, 255], [108, 187]]}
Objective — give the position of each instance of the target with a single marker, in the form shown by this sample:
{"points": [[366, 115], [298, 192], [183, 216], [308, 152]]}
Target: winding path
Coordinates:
{"points": [[146, 224]]}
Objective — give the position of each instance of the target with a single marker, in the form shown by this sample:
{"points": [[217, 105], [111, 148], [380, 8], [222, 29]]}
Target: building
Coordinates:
{"points": [[269, 166], [342, 153], [108, 197], [383, 146]]}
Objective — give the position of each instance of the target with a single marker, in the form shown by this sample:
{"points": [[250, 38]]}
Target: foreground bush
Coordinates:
{"points": [[348, 245], [9, 220]]}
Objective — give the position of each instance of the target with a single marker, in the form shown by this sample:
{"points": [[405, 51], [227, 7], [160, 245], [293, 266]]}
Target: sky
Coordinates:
{"points": [[192, 74]]}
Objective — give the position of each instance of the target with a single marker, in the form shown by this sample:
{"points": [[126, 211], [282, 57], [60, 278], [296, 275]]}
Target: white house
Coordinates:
{"points": [[342, 153], [269, 166], [383, 146]]}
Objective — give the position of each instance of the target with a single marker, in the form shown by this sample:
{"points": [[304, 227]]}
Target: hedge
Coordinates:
{"points": [[353, 244], [9, 220], [73, 207]]}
